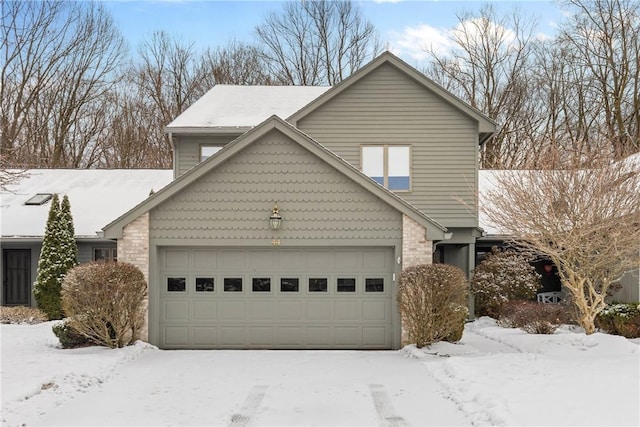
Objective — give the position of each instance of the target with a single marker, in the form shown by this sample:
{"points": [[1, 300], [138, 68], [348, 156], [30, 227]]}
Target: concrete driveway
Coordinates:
{"points": [[238, 388]]}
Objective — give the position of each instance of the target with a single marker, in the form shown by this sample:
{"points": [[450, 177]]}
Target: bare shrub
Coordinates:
{"points": [[533, 317], [432, 299], [104, 301], [22, 315], [501, 277]]}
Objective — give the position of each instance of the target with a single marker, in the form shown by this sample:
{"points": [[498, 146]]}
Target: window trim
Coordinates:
{"points": [[385, 164], [201, 156], [113, 253]]}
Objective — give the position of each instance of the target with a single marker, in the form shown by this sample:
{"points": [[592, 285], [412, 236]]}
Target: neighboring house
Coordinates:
{"points": [[368, 177], [96, 197], [629, 290]]}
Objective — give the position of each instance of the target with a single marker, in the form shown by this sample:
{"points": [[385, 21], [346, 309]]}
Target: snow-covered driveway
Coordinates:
{"points": [[494, 376], [262, 388]]}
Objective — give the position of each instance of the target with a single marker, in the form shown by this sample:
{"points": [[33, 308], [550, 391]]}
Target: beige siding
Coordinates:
{"points": [[387, 107], [188, 149], [234, 201]]}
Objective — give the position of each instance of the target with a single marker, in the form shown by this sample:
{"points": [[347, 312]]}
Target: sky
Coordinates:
{"points": [[405, 26]]}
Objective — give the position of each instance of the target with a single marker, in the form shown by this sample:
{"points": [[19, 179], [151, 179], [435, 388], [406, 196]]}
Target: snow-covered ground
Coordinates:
{"points": [[494, 376]]}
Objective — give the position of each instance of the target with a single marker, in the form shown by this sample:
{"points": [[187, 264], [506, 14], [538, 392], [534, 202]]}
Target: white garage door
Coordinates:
{"points": [[276, 298]]}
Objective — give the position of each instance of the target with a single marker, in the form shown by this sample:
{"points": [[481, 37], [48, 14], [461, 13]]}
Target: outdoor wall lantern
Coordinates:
{"points": [[275, 220]]}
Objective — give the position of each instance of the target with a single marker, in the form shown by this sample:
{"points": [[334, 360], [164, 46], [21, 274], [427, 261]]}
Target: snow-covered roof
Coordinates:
{"points": [[230, 106], [97, 197]]}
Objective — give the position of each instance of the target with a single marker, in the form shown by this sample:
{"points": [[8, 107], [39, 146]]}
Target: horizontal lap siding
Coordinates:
{"points": [[387, 107], [188, 149], [234, 201]]}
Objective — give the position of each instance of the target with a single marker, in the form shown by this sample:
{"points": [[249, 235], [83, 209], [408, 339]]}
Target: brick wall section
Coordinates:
{"points": [[133, 248], [416, 249]]}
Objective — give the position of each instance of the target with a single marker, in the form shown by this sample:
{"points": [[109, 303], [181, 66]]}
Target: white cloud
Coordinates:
{"points": [[413, 42]]}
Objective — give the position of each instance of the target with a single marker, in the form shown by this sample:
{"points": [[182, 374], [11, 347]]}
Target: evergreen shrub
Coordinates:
{"points": [[432, 299], [105, 302], [69, 337], [501, 277], [620, 319], [59, 253]]}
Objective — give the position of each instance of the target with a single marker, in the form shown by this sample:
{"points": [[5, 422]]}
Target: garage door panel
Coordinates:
{"points": [[290, 336], [347, 311], [262, 336], [316, 298], [232, 259], [205, 310], [176, 336], [345, 335], [348, 260], [176, 310], [376, 310], [232, 336], [262, 310], [294, 262], [205, 336], [320, 310], [176, 259], [290, 310], [319, 336], [205, 260], [375, 336], [232, 310]]}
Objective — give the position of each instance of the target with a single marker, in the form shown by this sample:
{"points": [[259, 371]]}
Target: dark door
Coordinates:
{"points": [[16, 280]]}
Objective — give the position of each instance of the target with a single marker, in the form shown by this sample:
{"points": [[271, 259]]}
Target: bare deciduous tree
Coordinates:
{"points": [[587, 221], [488, 68], [236, 63], [59, 61], [603, 37], [315, 42]]}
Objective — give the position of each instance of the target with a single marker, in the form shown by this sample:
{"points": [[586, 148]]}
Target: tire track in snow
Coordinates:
{"points": [[249, 407], [384, 407]]}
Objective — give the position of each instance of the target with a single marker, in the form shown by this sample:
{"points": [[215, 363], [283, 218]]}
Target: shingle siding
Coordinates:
{"points": [[234, 201], [188, 149], [387, 107]]}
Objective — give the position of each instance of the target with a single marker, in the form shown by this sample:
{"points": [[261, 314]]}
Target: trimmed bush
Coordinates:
{"points": [[69, 337], [104, 301], [533, 317], [432, 299], [22, 315], [501, 277], [620, 319]]}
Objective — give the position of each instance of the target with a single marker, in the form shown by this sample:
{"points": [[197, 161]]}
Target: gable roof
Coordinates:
{"points": [[434, 229], [233, 107], [96, 196], [486, 126]]}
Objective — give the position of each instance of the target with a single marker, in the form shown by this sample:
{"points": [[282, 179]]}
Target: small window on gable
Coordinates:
{"points": [[39, 199], [207, 151], [388, 165]]}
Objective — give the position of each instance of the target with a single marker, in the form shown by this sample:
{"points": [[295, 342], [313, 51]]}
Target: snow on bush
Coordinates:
{"points": [[432, 299], [501, 277], [620, 319], [104, 301], [533, 317]]}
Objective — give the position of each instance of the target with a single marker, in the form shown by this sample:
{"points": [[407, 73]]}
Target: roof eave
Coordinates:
{"points": [[206, 130]]}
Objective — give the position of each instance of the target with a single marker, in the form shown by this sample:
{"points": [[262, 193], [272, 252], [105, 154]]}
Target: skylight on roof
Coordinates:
{"points": [[39, 199]]}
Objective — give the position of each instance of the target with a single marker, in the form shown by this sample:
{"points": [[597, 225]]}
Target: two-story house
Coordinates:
{"points": [[294, 209]]}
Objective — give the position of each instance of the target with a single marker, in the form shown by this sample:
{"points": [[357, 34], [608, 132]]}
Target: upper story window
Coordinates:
{"points": [[207, 151], [388, 165]]}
